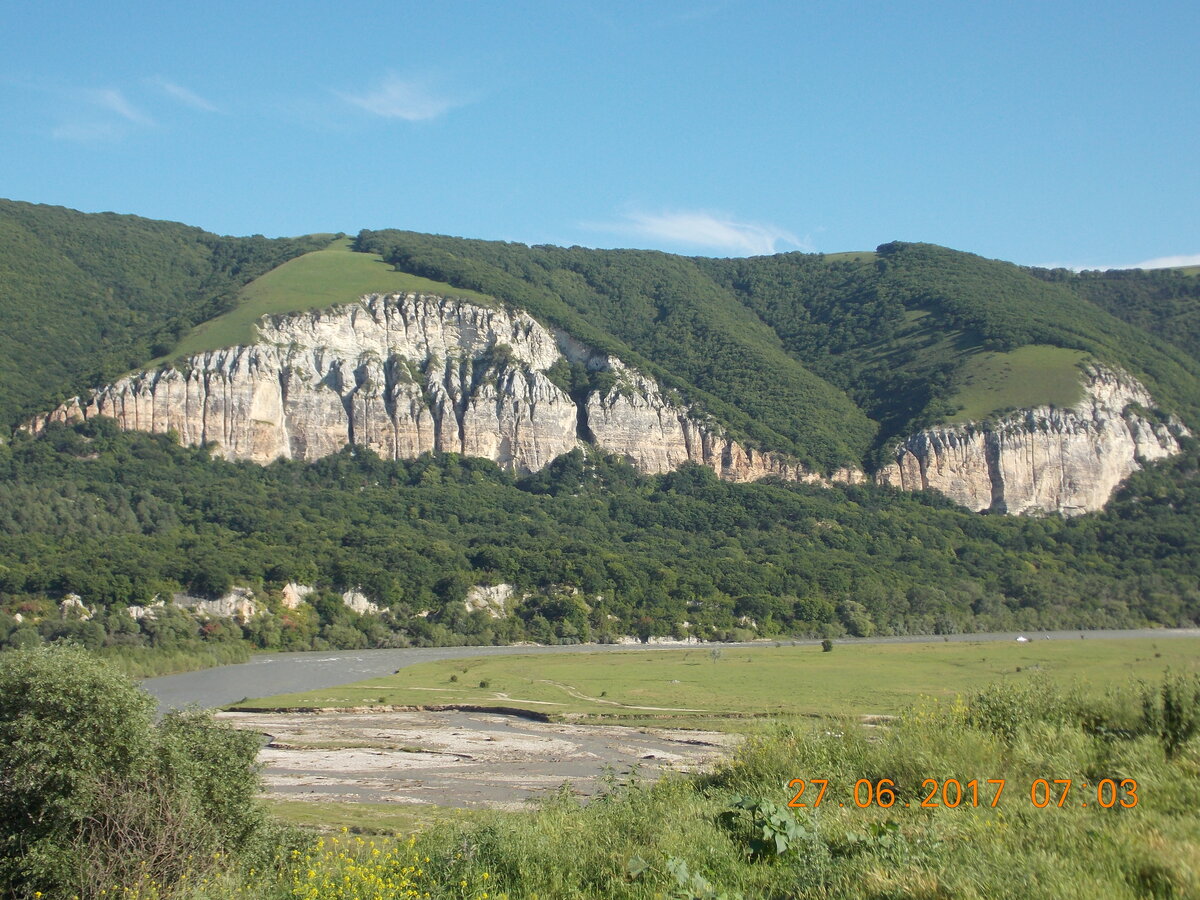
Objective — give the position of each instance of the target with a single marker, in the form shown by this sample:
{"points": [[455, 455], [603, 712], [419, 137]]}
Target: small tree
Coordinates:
{"points": [[826, 646], [93, 793]]}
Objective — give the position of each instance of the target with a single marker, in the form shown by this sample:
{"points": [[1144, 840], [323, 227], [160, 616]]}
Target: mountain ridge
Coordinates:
{"points": [[402, 375], [802, 366], [824, 362]]}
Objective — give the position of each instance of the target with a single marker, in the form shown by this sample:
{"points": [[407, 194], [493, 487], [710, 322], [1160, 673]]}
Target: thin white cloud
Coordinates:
{"points": [[183, 95], [1160, 262], [114, 101], [710, 230], [99, 114], [401, 98], [1169, 262]]}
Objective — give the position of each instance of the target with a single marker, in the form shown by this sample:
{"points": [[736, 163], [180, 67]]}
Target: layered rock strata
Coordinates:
{"points": [[1046, 459], [408, 374]]}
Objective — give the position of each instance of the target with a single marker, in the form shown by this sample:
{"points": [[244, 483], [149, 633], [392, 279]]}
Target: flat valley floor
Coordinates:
{"points": [[460, 759]]}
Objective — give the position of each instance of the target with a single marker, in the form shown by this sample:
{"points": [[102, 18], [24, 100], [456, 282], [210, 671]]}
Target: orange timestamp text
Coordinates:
{"points": [[951, 793]]}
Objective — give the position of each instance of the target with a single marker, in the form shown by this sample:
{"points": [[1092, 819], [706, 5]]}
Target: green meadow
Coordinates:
{"points": [[1034, 375], [716, 686], [317, 280]]}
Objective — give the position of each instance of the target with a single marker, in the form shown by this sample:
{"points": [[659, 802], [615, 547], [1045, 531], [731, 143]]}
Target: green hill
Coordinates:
{"points": [[85, 298], [661, 313], [1164, 302], [316, 280], [776, 346], [824, 357]]}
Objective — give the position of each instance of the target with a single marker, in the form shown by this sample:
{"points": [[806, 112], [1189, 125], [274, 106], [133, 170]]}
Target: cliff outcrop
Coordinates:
{"points": [[408, 374], [1046, 459]]}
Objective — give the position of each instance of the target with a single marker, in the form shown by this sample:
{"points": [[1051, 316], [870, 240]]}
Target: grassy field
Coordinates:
{"points": [[314, 281], [697, 687], [730, 832], [371, 818], [1029, 376]]}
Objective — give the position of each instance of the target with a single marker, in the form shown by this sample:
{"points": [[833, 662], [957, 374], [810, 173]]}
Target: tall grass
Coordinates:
{"points": [[703, 835], [150, 662]]}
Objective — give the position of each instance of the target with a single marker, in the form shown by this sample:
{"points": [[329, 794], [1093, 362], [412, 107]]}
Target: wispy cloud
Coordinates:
{"points": [[99, 114], [85, 132], [1167, 262], [402, 98], [183, 95], [116, 102], [1159, 262], [715, 231]]}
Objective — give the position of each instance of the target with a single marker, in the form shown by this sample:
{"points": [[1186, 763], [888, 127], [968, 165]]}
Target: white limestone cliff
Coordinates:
{"points": [[635, 419], [1046, 459], [406, 374], [492, 599], [238, 604]]}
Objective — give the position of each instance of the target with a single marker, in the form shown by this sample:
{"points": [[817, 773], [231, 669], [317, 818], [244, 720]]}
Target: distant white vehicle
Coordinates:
{"points": [[1021, 639]]}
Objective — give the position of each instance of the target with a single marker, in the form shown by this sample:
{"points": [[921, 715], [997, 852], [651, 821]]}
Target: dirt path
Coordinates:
{"points": [[458, 758], [580, 695]]}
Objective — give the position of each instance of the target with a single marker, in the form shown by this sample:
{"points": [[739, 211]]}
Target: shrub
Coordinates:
{"points": [[93, 793], [1171, 712]]}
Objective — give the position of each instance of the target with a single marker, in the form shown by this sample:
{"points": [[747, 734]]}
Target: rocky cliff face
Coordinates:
{"points": [[408, 374], [1044, 459], [635, 419]]}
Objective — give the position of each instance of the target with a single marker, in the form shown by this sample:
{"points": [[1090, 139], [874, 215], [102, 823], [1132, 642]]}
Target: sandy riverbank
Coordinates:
{"points": [[460, 759]]}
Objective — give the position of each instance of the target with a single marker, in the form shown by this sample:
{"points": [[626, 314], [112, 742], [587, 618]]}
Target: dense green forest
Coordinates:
{"points": [[85, 298], [596, 550], [1164, 302]]}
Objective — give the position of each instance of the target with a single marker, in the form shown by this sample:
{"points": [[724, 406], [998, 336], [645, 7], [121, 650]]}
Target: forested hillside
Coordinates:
{"points": [[1164, 302], [661, 313], [827, 359], [85, 298], [824, 358], [594, 549]]}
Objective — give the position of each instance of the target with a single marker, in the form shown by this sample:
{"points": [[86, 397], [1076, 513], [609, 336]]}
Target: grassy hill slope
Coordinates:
{"points": [[903, 332], [774, 346], [316, 280], [661, 313], [827, 358]]}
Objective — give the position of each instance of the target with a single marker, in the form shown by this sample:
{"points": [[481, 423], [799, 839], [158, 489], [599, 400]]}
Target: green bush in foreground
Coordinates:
{"points": [[94, 794]]}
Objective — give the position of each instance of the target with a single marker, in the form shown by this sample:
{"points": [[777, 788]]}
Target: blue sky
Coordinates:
{"points": [[1044, 133]]}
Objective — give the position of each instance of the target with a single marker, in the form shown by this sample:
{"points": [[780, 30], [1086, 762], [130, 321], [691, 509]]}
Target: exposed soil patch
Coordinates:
{"points": [[460, 759]]}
